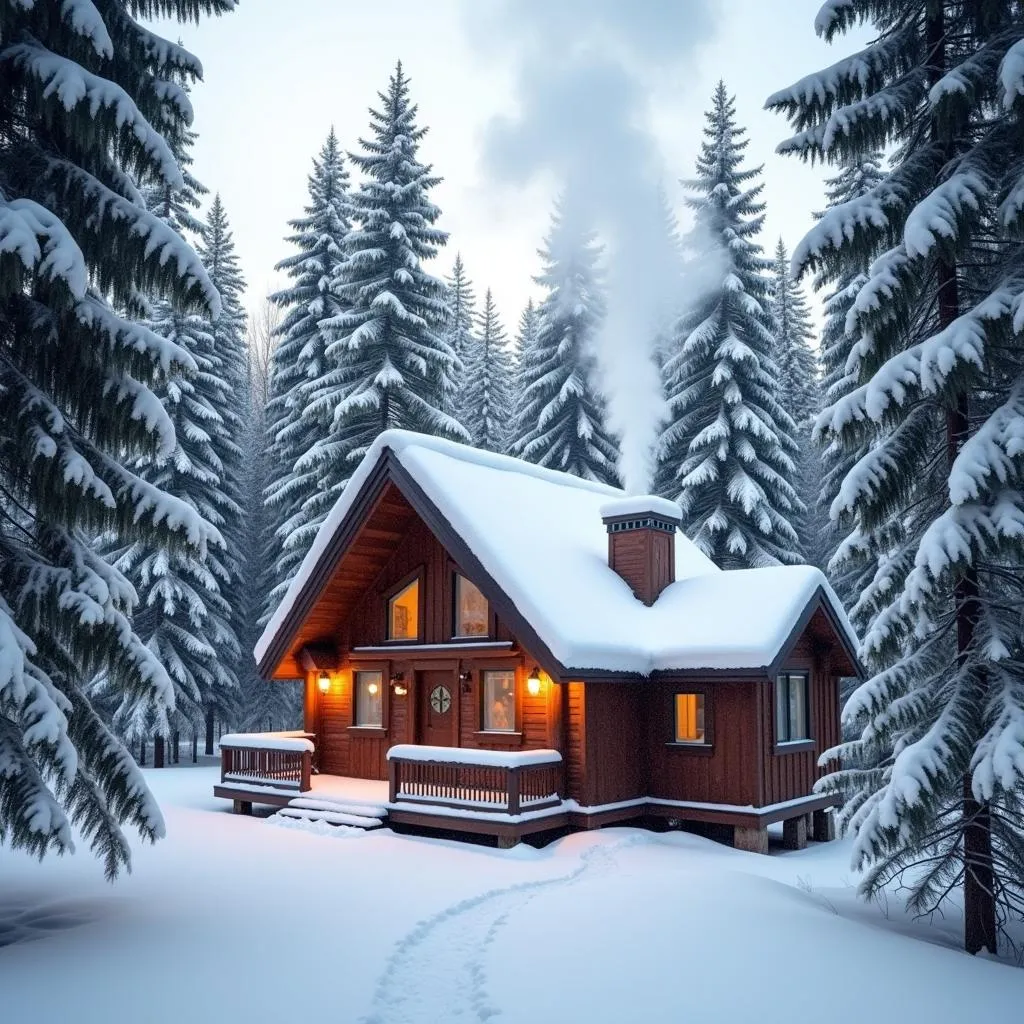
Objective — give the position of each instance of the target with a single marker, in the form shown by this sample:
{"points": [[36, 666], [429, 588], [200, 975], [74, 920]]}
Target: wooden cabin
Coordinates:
{"points": [[509, 649]]}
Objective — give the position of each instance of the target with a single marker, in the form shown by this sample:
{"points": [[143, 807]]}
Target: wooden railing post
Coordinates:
{"points": [[392, 780], [513, 789], [225, 763], [307, 770]]}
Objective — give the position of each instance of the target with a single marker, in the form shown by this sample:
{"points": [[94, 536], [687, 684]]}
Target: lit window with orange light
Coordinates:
{"points": [[690, 718], [368, 689], [471, 610], [499, 700], [404, 613]]}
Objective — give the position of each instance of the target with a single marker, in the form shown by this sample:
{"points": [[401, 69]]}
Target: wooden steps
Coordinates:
{"points": [[333, 812]]}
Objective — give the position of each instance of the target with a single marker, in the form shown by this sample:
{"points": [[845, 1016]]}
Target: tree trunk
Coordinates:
{"points": [[976, 827], [195, 749], [158, 752], [209, 730], [175, 746], [142, 752]]}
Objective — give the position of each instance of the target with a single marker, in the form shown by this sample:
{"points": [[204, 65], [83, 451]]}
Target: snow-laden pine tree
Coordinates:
{"points": [[459, 330], [389, 362], [263, 706], [560, 414], [726, 453], [933, 784], [229, 357], [486, 398], [298, 361], [88, 96], [522, 360], [799, 393], [851, 561], [184, 615]]}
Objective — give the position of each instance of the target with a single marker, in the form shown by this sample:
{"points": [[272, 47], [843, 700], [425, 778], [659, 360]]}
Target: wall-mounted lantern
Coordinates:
{"points": [[324, 682], [533, 682], [397, 685]]}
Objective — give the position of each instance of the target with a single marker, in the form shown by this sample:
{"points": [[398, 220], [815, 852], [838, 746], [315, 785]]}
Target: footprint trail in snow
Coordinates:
{"points": [[438, 971]]}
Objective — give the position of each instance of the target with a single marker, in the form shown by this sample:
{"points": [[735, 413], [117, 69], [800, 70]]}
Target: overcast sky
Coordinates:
{"points": [[278, 74]]}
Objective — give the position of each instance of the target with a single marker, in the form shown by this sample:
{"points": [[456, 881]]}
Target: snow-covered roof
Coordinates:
{"points": [[539, 534]]}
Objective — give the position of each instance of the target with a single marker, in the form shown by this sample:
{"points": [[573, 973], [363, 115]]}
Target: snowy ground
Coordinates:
{"points": [[234, 918]]}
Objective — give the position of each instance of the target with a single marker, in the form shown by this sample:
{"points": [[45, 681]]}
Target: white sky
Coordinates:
{"points": [[278, 73]]}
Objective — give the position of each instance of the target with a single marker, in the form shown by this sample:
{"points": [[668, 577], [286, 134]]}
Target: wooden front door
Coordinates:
{"points": [[437, 706]]}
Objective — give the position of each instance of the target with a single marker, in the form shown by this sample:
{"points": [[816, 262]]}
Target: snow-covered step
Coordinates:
{"points": [[310, 803], [330, 817]]}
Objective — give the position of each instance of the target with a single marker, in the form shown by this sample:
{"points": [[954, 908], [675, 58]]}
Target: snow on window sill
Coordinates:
{"points": [[489, 736], [368, 730], [794, 746], [692, 747]]}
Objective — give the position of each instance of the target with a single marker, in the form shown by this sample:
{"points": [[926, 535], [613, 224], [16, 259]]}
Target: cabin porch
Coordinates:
{"points": [[506, 794]]}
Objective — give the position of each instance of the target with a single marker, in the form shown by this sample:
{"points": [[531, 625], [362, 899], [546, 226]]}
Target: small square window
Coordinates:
{"points": [[499, 700], [791, 719], [404, 613], [369, 698], [690, 718], [471, 610]]}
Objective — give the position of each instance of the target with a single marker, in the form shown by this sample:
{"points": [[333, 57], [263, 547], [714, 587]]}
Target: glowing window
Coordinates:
{"points": [[369, 696], [499, 700], [471, 611], [404, 613], [690, 718], [791, 707]]}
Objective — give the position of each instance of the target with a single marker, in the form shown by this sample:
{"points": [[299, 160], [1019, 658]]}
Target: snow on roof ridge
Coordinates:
{"points": [[398, 440]]}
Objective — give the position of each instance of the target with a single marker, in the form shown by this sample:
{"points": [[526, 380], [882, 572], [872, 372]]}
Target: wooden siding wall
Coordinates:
{"points": [[615, 761], [345, 750], [728, 772], [575, 739], [788, 775]]}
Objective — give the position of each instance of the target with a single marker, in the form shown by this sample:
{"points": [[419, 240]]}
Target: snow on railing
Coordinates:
{"points": [[503, 781], [280, 759]]}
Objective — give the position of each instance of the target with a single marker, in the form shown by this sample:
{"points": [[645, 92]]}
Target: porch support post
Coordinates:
{"points": [[513, 790], [824, 827], [392, 781], [794, 833], [753, 840], [307, 770]]}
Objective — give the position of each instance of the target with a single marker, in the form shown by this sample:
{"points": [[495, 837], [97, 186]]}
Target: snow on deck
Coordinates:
{"points": [[340, 789], [540, 535]]}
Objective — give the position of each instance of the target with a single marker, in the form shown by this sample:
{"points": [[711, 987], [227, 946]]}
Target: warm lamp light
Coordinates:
{"points": [[324, 682], [372, 689], [533, 682], [400, 690]]}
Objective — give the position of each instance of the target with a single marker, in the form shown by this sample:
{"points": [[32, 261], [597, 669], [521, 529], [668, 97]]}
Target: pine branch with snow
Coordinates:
{"points": [[727, 453]]}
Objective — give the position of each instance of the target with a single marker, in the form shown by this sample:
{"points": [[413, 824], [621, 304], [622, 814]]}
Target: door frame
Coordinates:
{"points": [[419, 692]]}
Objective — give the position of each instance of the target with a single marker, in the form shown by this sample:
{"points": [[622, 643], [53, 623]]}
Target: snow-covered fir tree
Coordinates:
{"points": [[486, 398], [77, 247], [560, 414], [726, 453], [299, 362], [461, 317], [799, 393], [850, 572], [217, 251], [933, 783], [389, 361], [184, 615], [522, 356], [263, 706]]}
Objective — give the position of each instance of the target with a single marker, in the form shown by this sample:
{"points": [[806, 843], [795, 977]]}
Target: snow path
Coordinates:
{"points": [[440, 966]]}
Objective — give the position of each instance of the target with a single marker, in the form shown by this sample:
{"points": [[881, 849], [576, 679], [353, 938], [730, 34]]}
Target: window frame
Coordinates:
{"points": [[790, 743], [417, 577], [497, 737], [380, 670], [706, 745], [454, 634]]}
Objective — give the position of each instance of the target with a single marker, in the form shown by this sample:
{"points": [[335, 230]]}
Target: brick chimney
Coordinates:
{"points": [[642, 542]]}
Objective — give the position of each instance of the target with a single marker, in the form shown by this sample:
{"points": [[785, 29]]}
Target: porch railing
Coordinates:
{"points": [[475, 780], [282, 760]]}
